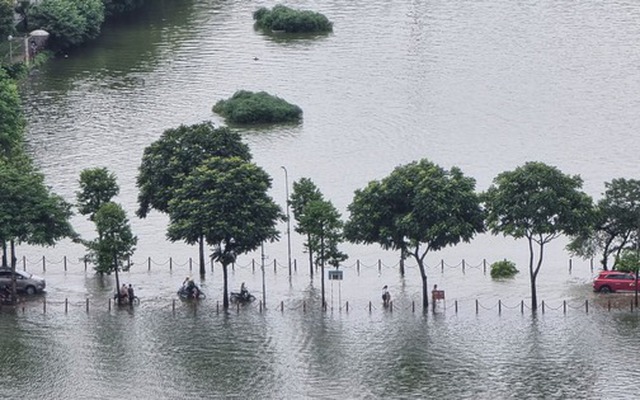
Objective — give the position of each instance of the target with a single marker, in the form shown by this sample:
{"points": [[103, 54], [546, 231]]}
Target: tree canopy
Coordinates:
{"points": [[419, 207], [304, 192], [97, 187], [12, 121], [616, 222], [69, 22], [539, 203], [225, 200], [7, 21], [178, 152], [30, 213]]}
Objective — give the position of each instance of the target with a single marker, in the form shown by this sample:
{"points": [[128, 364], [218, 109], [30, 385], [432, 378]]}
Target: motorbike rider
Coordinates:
{"points": [[191, 288], [244, 293]]}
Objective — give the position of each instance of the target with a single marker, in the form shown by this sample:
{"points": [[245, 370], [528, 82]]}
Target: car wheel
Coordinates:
{"points": [[605, 289], [30, 290]]}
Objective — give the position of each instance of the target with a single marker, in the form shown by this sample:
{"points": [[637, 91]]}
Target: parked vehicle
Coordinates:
{"points": [[615, 281], [25, 282]]}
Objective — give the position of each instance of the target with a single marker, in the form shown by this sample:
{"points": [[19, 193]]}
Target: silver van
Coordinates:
{"points": [[25, 282]]}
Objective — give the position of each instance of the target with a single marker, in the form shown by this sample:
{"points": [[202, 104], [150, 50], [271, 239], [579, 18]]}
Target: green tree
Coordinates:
{"points": [[539, 203], [69, 22], [30, 213], [304, 191], [322, 223], [7, 23], [117, 244], [616, 222], [225, 201], [12, 122], [178, 152], [419, 207], [97, 187]]}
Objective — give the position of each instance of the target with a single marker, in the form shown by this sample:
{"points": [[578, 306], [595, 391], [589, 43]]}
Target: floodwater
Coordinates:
{"points": [[485, 86]]}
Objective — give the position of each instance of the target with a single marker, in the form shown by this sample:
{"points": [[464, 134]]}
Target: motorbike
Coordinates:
{"points": [[241, 297], [126, 300], [191, 294]]}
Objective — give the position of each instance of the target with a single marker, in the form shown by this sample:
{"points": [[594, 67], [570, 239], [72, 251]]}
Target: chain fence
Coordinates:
{"points": [[170, 264], [609, 304]]}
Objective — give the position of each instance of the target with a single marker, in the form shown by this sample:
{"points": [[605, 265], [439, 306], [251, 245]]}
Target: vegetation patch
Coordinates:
{"points": [[503, 269], [246, 107], [282, 18]]}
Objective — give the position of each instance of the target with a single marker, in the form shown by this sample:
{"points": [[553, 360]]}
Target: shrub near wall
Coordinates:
{"points": [[246, 107], [282, 18]]}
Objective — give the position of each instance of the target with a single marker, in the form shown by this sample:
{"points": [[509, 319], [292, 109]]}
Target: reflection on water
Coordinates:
{"points": [[484, 86], [154, 353]]}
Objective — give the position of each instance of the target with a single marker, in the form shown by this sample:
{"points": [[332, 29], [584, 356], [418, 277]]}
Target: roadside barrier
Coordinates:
{"points": [[609, 304], [170, 264]]}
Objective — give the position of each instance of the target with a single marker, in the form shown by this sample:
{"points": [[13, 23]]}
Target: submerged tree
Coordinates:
{"points": [[30, 213], [116, 243], [616, 222], [539, 203], [321, 221], [419, 207], [225, 201], [304, 192], [169, 160]]}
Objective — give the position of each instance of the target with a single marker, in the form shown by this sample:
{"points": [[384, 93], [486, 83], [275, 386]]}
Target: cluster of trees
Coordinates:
{"points": [[30, 212], [421, 207], [70, 22], [282, 18], [246, 107], [204, 180]]}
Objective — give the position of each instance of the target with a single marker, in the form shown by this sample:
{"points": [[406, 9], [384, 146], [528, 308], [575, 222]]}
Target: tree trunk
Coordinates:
{"points": [[225, 295], [402, 255], [4, 254], [115, 265], [425, 293], [14, 289], [310, 255], [534, 295], [322, 267], [201, 256], [532, 279]]}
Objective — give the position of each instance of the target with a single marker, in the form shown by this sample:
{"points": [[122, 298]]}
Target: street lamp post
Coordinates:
{"points": [[264, 287], [10, 38], [286, 189]]}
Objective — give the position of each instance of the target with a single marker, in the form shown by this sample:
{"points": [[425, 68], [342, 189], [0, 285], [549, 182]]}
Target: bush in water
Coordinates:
{"points": [[282, 18], [246, 107], [503, 269]]}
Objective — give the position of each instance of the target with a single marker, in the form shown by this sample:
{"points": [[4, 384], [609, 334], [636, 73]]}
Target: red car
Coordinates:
{"points": [[615, 281]]}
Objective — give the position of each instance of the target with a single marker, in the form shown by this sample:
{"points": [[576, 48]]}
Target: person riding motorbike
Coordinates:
{"points": [[244, 293], [191, 288]]}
